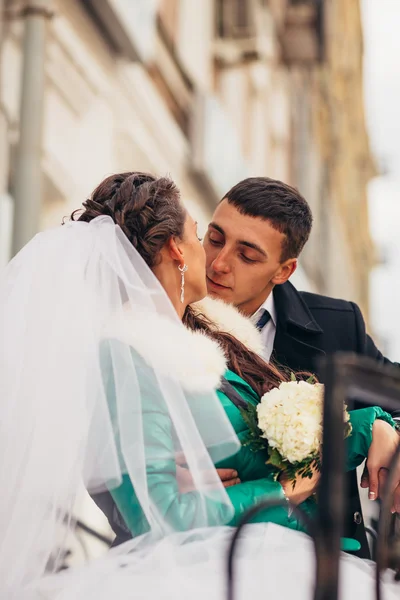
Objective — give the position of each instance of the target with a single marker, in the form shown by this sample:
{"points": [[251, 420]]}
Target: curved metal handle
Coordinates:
{"points": [[246, 519]]}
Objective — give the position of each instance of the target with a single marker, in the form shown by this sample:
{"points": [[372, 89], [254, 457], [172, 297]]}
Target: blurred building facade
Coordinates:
{"points": [[210, 92]]}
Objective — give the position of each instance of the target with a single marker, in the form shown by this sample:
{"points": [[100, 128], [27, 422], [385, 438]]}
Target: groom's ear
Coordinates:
{"points": [[174, 250], [285, 270]]}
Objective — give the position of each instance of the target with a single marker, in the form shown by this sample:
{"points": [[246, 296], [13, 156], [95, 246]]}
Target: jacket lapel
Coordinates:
{"points": [[298, 335]]}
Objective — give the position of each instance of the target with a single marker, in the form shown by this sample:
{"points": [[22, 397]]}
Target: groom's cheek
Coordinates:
{"points": [[211, 252]]}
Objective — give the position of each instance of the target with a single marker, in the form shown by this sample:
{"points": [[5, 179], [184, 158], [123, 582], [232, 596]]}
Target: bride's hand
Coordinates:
{"points": [[303, 489], [385, 441]]}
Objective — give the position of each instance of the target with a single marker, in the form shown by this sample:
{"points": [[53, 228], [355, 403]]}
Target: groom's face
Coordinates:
{"points": [[243, 258]]}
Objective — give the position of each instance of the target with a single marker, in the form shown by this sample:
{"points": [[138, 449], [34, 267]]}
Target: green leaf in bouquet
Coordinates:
{"points": [[303, 469], [312, 380], [292, 377], [254, 437], [275, 459], [250, 417]]}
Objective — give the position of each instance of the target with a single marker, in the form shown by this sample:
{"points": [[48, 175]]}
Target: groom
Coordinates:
{"points": [[252, 245]]}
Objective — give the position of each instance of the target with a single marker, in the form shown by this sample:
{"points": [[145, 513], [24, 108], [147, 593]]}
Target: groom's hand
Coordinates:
{"points": [[186, 484], [228, 477], [382, 480], [385, 440]]}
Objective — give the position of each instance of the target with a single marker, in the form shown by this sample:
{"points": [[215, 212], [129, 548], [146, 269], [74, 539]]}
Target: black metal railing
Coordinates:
{"points": [[247, 518], [61, 556], [353, 380]]}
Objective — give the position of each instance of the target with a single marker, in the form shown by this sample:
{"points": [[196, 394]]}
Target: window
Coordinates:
{"points": [[235, 18]]}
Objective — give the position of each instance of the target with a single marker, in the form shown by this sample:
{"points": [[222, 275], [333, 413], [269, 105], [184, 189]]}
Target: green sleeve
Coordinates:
{"points": [[180, 511], [248, 464], [360, 439], [246, 495]]}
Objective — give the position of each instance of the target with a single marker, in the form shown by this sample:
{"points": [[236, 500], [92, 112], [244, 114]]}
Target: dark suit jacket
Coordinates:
{"points": [[310, 326]]}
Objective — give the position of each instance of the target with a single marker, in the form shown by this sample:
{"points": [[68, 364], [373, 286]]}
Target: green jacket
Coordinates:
{"points": [[257, 482]]}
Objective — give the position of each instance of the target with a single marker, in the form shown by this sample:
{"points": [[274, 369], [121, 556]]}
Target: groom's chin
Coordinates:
{"points": [[222, 294]]}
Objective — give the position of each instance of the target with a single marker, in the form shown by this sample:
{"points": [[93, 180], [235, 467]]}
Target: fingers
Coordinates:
{"points": [[365, 478], [180, 458], [373, 474], [396, 500], [229, 477], [394, 491], [227, 474], [316, 477], [382, 476], [230, 482]]}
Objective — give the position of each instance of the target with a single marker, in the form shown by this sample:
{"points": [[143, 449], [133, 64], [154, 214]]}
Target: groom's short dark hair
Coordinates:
{"points": [[280, 204]]}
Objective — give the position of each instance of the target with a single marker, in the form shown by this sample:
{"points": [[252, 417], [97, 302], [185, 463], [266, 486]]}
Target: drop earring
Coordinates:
{"points": [[183, 271]]}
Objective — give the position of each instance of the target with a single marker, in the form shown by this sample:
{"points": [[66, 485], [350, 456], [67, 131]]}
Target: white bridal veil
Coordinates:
{"points": [[60, 425]]}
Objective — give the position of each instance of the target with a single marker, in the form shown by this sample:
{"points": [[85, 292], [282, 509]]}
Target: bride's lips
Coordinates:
{"points": [[215, 285]]}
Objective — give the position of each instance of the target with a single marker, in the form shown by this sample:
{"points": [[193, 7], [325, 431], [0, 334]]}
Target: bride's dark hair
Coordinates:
{"points": [[149, 211]]}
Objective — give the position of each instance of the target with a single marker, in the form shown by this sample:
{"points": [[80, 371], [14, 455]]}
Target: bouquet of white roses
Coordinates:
{"points": [[288, 423]]}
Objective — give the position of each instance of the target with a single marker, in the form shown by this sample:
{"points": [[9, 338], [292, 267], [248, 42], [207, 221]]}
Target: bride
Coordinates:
{"points": [[101, 385]]}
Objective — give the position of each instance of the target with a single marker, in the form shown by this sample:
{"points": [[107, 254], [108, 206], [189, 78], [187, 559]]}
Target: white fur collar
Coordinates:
{"points": [[227, 318], [196, 361]]}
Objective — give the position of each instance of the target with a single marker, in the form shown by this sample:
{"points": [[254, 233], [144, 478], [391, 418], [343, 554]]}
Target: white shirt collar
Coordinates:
{"points": [[268, 305]]}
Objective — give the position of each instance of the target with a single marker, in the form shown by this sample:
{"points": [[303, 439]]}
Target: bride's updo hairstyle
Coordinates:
{"points": [[149, 212], [147, 209]]}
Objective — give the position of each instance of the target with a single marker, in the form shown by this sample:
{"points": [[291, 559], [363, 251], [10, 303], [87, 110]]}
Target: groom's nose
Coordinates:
{"points": [[220, 263]]}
